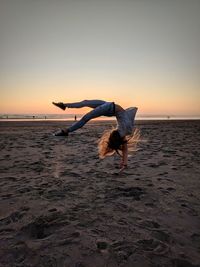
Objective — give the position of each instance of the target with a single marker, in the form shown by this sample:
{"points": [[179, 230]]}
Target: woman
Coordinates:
{"points": [[115, 140]]}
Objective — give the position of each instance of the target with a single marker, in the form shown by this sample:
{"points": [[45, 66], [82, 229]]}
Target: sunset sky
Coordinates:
{"points": [[143, 53]]}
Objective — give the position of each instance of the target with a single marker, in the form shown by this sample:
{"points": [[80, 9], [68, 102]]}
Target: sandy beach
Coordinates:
{"points": [[62, 206]]}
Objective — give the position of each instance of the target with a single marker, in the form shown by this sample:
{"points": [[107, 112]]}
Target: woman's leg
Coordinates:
{"points": [[85, 103], [106, 109]]}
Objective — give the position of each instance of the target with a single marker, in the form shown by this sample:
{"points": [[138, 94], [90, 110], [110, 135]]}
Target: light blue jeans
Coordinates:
{"points": [[100, 108]]}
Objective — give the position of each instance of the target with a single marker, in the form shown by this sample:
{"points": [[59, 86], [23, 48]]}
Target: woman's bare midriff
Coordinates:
{"points": [[118, 108]]}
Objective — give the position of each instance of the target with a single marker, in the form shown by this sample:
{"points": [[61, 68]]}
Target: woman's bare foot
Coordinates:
{"points": [[60, 105]]}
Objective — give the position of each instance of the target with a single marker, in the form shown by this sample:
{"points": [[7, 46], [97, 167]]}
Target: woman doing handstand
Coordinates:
{"points": [[115, 140]]}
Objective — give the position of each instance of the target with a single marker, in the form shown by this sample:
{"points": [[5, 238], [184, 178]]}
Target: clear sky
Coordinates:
{"points": [[143, 53]]}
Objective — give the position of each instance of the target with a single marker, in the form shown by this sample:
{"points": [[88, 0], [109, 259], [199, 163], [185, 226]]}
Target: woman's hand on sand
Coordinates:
{"points": [[122, 168]]}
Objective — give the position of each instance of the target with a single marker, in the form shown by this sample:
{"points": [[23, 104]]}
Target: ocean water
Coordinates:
{"points": [[54, 117]]}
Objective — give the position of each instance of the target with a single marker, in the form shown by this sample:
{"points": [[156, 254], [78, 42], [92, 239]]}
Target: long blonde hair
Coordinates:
{"points": [[108, 144]]}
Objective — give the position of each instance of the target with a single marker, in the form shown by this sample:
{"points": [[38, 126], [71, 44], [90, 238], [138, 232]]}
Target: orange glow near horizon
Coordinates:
{"points": [[149, 100], [147, 106]]}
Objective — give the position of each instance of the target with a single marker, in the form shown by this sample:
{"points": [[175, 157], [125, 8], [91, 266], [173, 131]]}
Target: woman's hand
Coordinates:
{"points": [[123, 164], [122, 167]]}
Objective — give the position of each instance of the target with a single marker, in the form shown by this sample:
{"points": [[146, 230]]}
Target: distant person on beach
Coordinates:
{"points": [[115, 140], [75, 117]]}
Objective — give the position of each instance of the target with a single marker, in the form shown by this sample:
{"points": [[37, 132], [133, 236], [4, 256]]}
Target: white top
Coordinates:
{"points": [[125, 121]]}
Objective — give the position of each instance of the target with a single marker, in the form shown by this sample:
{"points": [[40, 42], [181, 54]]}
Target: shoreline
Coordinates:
{"points": [[99, 120]]}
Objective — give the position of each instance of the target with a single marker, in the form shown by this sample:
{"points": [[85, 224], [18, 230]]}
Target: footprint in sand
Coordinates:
{"points": [[45, 226], [12, 218], [150, 204], [153, 245], [133, 192], [196, 239], [102, 245], [123, 249], [162, 236], [148, 224], [183, 263]]}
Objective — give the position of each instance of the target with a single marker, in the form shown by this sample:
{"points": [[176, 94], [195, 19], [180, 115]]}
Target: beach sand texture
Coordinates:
{"points": [[63, 206]]}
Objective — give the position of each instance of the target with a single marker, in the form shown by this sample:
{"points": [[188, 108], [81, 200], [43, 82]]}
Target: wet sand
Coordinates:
{"points": [[63, 206]]}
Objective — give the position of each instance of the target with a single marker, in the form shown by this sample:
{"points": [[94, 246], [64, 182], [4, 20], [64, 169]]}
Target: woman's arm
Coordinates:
{"points": [[124, 161]]}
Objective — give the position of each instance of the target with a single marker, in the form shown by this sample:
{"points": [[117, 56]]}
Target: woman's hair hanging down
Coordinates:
{"points": [[111, 142]]}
